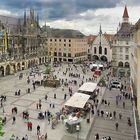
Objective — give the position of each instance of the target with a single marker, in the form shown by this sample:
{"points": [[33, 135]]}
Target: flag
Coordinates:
{"points": [[5, 41]]}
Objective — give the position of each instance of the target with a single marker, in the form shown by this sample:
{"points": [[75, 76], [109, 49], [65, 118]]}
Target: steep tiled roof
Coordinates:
{"points": [[91, 38], [108, 37], [125, 30], [125, 14]]}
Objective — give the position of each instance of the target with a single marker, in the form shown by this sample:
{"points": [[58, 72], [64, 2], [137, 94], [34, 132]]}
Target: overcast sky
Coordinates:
{"points": [[83, 15]]}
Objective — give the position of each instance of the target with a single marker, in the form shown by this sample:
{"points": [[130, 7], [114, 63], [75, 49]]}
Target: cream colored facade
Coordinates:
{"points": [[68, 49], [135, 64]]}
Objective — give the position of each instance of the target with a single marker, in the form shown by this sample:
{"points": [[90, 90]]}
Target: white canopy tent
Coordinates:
{"points": [[78, 100], [88, 87]]}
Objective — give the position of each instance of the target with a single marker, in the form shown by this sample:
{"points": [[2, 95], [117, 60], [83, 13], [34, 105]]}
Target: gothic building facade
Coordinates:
{"points": [[22, 43]]}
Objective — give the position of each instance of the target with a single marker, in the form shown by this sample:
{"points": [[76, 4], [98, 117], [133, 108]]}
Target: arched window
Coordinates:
{"points": [[95, 51], [100, 50], [105, 51]]}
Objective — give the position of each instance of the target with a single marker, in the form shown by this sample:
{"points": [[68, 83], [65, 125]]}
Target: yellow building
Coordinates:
{"points": [[135, 64], [67, 45]]}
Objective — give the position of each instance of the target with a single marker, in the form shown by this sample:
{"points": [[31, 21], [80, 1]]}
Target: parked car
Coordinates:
{"points": [[115, 84]]}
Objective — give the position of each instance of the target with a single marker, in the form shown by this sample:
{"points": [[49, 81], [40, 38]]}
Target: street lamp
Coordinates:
{"points": [[77, 129]]}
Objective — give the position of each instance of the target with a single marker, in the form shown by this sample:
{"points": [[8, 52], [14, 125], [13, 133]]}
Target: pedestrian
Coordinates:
{"points": [[98, 112], [53, 105], [38, 130], [46, 136], [123, 104], [40, 106], [26, 137], [109, 138], [37, 106], [102, 113], [110, 115], [65, 96], [120, 116], [114, 114], [54, 95], [49, 120], [23, 138], [45, 113], [97, 136], [46, 97], [17, 138], [14, 120], [28, 125], [116, 125]]}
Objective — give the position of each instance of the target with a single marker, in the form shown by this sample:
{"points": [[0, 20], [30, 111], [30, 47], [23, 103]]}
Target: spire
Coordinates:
{"points": [[100, 32], [24, 18], [37, 20], [125, 15]]}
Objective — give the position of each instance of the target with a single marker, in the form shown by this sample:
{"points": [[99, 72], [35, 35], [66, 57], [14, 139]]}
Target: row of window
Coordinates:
{"points": [[59, 40], [68, 54], [126, 57], [61, 54], [80, 54], [60, 44], [100, 50], [126, 50]]}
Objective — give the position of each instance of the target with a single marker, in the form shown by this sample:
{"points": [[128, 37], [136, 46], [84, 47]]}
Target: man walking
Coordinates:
{"points": [[38, 130]]}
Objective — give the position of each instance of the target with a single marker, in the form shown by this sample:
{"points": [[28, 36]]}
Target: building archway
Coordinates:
{"points": [[7, 70], [18, 67], [14, 68], [29, 64], [43, 60], [120, 64], [95, 57], [1, 71], [23, 65], [126, 65], [103, 58], [32, 62]]}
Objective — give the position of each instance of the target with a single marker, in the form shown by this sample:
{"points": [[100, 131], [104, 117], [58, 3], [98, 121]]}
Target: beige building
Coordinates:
{"points": [[135, 64], [67, 45]]}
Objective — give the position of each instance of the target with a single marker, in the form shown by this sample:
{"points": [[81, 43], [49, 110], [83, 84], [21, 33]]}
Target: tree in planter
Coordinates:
{"points": [[48, 70], [102, 82], [1, 127]]}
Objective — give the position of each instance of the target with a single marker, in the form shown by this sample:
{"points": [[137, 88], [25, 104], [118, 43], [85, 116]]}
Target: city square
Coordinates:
{"points": [[28, 101]]}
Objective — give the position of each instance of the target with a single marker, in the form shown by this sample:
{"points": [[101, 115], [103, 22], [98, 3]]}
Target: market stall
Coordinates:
{"points": [[88, 88], [76, 107]]}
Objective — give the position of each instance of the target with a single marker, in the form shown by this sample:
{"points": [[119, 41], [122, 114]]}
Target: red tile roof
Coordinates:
{"points": [[91, 38], [108, 37], [125, 14]]}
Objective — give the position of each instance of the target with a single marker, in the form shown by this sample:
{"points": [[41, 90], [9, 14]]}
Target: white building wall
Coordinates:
{"points": [[104, 44]]}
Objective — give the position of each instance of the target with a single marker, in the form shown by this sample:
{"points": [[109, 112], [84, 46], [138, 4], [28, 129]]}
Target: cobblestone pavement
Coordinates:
{"points": [[105, 126], [10, 84]]}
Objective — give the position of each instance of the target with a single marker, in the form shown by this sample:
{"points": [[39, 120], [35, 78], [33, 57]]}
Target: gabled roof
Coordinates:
{"points": [[108, 37], [91, 38], [125, 14]]}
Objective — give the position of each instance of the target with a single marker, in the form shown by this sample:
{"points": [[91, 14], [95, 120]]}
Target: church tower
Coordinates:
{"points": [[125, 15]]}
